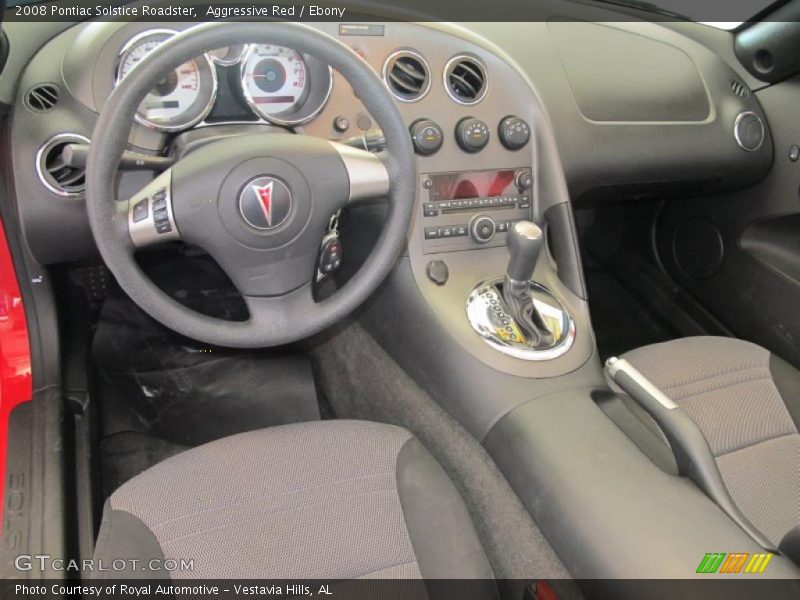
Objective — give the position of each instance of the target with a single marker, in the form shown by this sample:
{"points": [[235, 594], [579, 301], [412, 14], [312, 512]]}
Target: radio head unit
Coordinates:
{"points": [[470, 209]]}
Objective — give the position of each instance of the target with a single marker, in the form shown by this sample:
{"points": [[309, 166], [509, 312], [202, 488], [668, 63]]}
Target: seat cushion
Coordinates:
{"points": [[331, 500], [747, 403]]}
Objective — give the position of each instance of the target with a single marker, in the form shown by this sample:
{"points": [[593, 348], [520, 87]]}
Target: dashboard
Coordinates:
{"points": [[524, 115]]}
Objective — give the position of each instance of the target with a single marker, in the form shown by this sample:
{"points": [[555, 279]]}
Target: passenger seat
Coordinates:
{"points": [[746, 402]]}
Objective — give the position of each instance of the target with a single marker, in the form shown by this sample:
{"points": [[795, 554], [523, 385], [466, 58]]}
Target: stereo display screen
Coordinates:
{"points": [[472, 184]]}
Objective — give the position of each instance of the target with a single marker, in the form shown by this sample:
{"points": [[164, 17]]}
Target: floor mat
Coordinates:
{"points": [[164, 391]]}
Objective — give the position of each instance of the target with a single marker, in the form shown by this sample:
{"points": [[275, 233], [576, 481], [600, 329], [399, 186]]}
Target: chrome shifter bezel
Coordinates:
{"points": [[485, 302]]}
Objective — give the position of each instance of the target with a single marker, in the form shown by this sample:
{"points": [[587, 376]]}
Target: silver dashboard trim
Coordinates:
{"points": [[277, 120], [40, 156], [141, 120], [420, 58], [447, 69], [739, 118], [368, 176]]}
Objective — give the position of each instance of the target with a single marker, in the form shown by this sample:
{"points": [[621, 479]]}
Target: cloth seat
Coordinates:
{"points": [[747, 403], [319, 500]]}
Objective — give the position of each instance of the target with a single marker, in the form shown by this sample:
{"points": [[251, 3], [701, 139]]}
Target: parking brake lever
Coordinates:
{"points": [[524, 242], [689, 446]]}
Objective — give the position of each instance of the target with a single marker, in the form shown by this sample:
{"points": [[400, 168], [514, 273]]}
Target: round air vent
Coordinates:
{"points": [[406, 73], [739, 89], [465, 79], [42, 97], [53, 173], [749, 131]]}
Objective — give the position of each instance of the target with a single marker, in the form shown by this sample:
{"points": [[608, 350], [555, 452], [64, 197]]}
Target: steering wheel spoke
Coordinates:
{"points": [[283, 313], [366, 172], [151, 217]]}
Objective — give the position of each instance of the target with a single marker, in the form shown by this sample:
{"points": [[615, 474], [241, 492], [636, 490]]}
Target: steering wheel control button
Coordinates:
{"points": [[437, 272], [426, 136], [472, 134], [265, 202], [140, 210], [482, 229], [514, 133], [150, 216]]}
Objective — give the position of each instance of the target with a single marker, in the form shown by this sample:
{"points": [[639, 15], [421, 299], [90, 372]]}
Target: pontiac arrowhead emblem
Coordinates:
{"points": [[265, 202], [264, 193]]}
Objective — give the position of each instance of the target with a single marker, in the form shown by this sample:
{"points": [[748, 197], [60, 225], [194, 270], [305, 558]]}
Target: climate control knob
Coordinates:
{"points": [[472, 134], [427, 136], [514, 132], [482, 229]]}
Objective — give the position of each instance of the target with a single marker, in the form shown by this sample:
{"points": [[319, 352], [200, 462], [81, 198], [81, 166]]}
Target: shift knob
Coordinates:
{"points": [[524, 242]]}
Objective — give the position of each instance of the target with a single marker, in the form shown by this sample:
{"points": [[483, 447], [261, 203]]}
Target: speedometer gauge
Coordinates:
{"points": [[183, 97], [273, 80], [282, 86]]}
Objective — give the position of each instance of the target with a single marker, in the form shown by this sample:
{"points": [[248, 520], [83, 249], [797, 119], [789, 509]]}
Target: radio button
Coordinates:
{"points": [[432, 233], [482, 229], [524, 180]]}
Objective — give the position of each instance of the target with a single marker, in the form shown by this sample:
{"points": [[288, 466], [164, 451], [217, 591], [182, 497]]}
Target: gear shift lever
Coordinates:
{"points": [[524, 242]]}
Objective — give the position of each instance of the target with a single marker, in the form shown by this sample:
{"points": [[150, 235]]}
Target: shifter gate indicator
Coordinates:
{"points": [[491, 319]]}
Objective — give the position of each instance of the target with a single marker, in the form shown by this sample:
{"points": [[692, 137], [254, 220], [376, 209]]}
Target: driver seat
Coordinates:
{"points": [[319, 500]]}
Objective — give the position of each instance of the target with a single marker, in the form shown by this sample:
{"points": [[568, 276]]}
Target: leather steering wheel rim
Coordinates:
{"points": [[274, 320]]}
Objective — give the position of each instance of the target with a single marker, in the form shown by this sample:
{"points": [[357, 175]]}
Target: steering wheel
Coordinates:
{"points": [[258, 204]]}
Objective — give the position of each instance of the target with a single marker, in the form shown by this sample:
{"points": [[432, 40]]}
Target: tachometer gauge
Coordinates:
{"points": [[282, 86], [183, 97], [227, 56]]}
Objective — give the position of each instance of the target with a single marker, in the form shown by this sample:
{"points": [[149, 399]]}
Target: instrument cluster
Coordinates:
{"points": [[277, 84]]}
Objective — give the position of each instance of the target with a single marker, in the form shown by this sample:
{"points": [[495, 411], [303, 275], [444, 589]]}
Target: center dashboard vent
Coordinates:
{"points": [[42, 97], [54, 174], [407, 75], [465, 79]]}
